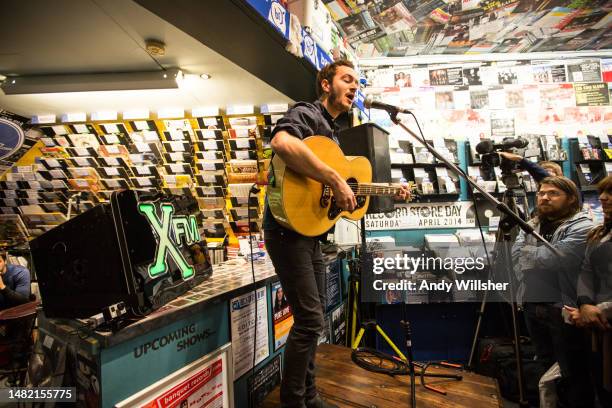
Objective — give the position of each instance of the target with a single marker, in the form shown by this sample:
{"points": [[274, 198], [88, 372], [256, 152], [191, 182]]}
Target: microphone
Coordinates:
{"points": [[487, 146], [372, 104]]}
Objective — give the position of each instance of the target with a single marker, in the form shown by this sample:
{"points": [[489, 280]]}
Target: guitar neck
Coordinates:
{"points": [[375, 189]]}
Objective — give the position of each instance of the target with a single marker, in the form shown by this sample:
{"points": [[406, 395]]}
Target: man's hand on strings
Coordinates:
{"points": [[404, 194]]}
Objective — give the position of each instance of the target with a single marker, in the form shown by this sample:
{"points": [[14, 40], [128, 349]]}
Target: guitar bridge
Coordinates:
{"points": [[334, 210]]}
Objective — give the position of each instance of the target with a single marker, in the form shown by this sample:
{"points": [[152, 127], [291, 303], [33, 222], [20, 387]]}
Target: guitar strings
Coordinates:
{"points": [[371, 189]]}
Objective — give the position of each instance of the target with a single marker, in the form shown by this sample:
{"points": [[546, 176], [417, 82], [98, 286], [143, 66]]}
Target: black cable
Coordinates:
{"points": [[427, 144], [484, 242], [79, 330], [470, 191], [253, 190]]}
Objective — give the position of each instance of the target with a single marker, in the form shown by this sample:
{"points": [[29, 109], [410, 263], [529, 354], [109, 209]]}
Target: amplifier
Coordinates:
{"points": [[140, 249], [371, 141]]}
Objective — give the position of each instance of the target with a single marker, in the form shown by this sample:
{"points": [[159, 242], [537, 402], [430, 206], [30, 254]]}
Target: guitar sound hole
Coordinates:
{"points": [[334, 210], [361, 199]]}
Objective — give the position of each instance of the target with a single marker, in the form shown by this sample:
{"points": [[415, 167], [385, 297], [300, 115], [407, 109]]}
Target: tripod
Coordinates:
{"points": [[502, 251], [374, 360]]}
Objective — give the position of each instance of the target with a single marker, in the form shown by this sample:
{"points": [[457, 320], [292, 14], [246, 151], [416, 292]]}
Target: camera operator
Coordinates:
{"points": [[538, 171], [548, 282]]}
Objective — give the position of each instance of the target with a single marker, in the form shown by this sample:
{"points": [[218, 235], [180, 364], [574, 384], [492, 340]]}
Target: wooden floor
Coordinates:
{"points": [[345, 384]]}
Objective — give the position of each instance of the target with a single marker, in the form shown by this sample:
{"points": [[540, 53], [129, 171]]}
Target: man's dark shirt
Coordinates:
{"points": [[548, 228], [302, 120], [540, 285], [536, 171]]}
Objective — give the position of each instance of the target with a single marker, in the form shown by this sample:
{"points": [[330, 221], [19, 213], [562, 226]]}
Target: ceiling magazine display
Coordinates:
{"points": [[404, 28]]}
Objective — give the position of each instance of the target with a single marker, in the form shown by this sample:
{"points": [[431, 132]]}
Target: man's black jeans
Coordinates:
{"points": [[557, 341], [299, 265]]}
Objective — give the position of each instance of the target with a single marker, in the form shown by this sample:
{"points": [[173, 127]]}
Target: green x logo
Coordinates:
{"points": [[165, 244]]}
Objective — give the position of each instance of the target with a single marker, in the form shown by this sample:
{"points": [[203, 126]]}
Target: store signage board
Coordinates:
{"points": [[274, 12], [309, 48], [153, 356], [279, 17], [323, 58], [206, 382], [168, 232], [11, 138], [460, 214]]}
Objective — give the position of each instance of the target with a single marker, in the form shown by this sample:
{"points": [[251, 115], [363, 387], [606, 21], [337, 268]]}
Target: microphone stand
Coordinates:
{"points": [[515, 219], [511, 220]]}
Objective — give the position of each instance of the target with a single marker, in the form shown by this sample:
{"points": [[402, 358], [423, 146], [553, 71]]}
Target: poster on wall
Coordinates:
{"points": [[263, 381], [471, 76], [514, 97], [592, 206], [455, 76], [242, 317], [507, 76], [544, 73], [445, 100], [585, 71], [282, 317], [338, 325], [595, 94], [403, 78], [606, 70], [205, 383], [502, 124], [332, 279], [557, 96], [438, 77], [324, 337], [479, 98]]}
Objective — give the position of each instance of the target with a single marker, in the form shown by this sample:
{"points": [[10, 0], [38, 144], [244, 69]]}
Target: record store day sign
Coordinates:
{"points": [[459, 214]]}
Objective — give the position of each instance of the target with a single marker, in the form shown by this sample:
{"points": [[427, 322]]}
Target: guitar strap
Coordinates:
{"points": [[271, 177]]}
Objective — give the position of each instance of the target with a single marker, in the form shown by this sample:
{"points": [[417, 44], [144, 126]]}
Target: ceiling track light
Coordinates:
{"points": [[122, 81]]}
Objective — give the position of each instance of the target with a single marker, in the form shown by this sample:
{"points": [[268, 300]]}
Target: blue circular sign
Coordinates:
{"points": [[11, 138]]}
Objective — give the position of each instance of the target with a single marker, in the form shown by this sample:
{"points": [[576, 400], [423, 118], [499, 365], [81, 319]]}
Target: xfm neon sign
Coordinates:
{"points": [[169, 231]]}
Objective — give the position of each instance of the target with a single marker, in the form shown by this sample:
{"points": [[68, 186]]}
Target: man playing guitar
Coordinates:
{"points": [[297, 258]]}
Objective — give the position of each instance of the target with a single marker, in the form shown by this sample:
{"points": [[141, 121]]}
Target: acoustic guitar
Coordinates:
{"points": [[308, 207]]}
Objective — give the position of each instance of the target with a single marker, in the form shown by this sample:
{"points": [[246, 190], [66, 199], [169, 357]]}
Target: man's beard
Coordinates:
{"points": [[334, 100], [554, 214]]}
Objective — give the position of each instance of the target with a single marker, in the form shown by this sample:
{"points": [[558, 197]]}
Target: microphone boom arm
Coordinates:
{"points": [[502, 207]]}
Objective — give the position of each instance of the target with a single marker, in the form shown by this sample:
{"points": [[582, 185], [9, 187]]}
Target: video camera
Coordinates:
{"points": [[490, 158]]}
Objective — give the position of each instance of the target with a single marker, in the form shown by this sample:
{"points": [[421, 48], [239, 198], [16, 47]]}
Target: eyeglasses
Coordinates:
{"points": [[550, 194]]}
